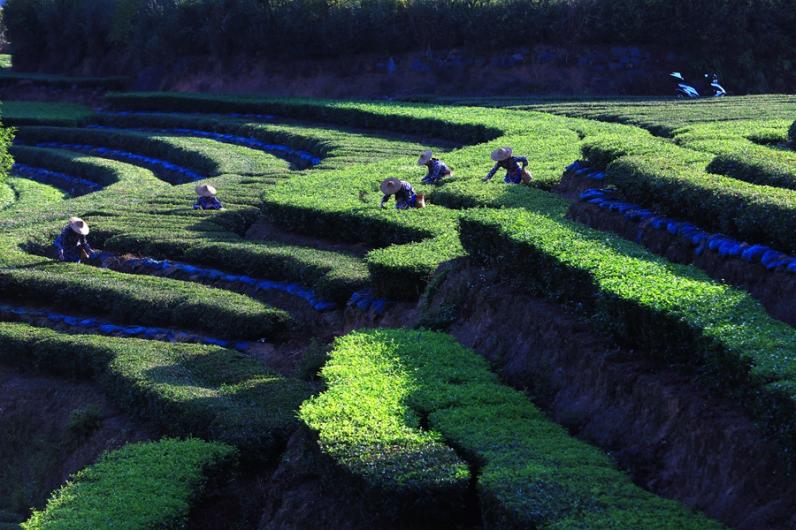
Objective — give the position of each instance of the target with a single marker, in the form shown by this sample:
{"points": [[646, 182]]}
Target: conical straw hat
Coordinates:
{"points": [[390, 186], [498, 155], [78, 225], [205, 190]]}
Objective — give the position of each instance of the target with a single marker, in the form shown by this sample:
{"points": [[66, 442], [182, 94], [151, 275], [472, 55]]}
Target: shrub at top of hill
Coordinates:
{"points": [[726, 34], [792, 134]]}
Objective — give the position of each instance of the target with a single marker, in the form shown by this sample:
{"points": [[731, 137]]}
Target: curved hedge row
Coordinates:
{"points": [[102, 171], [762, 214], [19, 113], [31, 195], [656, 173], [142, 485], [395, 117], [672, 312], [183, 389], [762, 167], [739, 153], [334, 276], [336, 146], [144, 301], [74, 186], [530, 472], [665, 116], [7, 195], [204, 156], [365, 426]]}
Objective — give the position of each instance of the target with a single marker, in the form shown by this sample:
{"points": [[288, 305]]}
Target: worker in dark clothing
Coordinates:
{"points": [[437, 169], [207, 198], [515, 166], [71, 245], [405, 196]]}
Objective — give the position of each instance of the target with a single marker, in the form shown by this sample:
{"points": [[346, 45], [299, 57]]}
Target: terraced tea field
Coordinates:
{"points": [[610, 347]]}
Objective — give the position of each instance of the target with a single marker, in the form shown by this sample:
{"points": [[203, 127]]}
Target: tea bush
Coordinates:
{"points": [[184, 389], [43, 113], [424, 396], [6, 137], [758, 214], [655, 172], [32, 195], [745, 150], [145, 485], [7, 195], [531, 472], [664, 116], [102, 171], [204, 156], [670, 311], [144, 301], [334, 276]]}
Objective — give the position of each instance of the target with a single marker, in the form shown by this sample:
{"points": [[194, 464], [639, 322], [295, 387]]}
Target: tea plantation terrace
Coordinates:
{"points": [[409, 417]]}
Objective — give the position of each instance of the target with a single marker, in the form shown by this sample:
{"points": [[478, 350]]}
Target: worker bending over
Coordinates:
{"points": [[207, 198], [72, 245], [405, 196], [515, 166]]}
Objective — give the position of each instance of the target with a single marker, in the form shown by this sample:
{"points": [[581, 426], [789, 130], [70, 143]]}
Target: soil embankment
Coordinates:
{"points": [[671, 435], [52, 428]]}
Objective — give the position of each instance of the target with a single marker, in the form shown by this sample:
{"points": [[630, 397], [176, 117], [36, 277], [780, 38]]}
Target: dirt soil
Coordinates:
{"points": [[673, 437], [39, 449], [92, 97], [306, 490]]}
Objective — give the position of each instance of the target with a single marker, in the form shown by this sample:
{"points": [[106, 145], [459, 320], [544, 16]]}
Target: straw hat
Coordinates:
{"points": [[424, 158], [205, 190], [390, 186], [78, 225], [499, 155]]}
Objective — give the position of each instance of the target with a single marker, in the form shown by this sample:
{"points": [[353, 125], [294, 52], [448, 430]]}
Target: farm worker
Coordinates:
{"points": [[72, 245], [405, 196], [436, 168], [514, 173], [207, 198]]}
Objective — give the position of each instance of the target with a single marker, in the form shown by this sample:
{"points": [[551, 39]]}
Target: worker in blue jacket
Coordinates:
{"points": [[207, 198], [72, 245], [437, 169], [515, 166], [405, 196]]}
